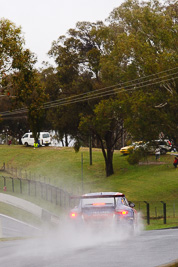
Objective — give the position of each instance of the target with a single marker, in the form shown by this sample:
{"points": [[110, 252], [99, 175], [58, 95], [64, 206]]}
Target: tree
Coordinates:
{"points": [[18, 73], [106, 123], [73, 76], [130, 47], [31, 94], [144, 45]]}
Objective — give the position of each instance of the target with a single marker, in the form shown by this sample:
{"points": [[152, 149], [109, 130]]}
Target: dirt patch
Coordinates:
{"points": [[152, 163]]}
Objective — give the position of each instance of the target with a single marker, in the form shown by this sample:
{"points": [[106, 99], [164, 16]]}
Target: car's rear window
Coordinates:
{"points": [[91, 202]]}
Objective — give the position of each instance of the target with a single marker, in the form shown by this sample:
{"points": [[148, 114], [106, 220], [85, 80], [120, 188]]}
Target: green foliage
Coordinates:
{"points": [[77, 145], [17, 75], [135, 155], [31, 94], [130, 46], [12, 53]]}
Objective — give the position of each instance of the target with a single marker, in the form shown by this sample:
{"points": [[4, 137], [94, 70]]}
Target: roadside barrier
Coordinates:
{"points": [[164, 212], [23, 182], [37, 189]]}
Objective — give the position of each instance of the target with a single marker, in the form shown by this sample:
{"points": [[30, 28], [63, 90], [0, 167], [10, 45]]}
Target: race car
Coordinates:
{"points": [[104, 207]]}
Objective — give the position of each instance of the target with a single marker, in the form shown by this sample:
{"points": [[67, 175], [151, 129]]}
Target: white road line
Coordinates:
{"points": [[5, 216]]}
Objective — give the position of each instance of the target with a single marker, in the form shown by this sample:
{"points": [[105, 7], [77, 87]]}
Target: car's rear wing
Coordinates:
{"points": [[97, 196]]}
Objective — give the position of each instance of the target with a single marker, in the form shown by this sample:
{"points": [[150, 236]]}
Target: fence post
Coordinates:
{"points": [[174, 214], [41, 185], [20, 186], [69, 200], [64, 199], [4, 180], [148, 212], [28, 187], [56, 194], [20, 173], [46, 192], [51, 193], [164, 211], [12, 185], [60, 192], [35, 188]]}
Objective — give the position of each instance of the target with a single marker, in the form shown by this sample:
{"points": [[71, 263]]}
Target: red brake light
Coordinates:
{"points": [[99, 204], [73, 215], [122, 212]]}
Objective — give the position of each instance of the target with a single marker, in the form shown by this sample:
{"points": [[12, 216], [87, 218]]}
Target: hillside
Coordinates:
{"points": [[62, 167]]}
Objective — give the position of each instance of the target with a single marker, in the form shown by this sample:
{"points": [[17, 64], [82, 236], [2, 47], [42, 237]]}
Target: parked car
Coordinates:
{"points": [[104, 208], [164, 145], [127, 149], [44, 139]]}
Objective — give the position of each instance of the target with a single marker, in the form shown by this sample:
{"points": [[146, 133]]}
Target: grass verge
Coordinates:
{"points": [[151, 181]]}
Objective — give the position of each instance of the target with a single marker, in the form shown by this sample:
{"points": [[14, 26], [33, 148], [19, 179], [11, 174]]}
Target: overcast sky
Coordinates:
{"points": [[43, 21]]}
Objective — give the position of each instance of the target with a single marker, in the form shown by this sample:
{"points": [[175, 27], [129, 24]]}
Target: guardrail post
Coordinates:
{"points": [[148, 212], [164, 211]]}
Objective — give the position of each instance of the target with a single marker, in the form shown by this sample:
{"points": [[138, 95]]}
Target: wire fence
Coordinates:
{"points": [[162, 212], [23, 182], [37, 189]]}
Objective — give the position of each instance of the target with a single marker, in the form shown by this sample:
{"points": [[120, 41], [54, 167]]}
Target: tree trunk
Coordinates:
{"points": [[108, 157], [66, 140], [109, 163]]}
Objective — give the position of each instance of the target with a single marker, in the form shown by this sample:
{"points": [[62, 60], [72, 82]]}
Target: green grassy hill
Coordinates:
{"points": [[149, 181], [62, 167]]}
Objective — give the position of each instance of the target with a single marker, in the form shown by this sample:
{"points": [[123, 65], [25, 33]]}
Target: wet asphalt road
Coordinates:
{"points": [[68, 248], [10, 227]]}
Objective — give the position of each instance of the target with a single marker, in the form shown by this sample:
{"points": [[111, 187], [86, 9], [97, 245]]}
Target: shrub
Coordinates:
{"points": [[136, 155]]}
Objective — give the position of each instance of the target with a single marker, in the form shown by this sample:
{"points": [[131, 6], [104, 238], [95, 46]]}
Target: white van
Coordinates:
{"points": [[44, 139]]}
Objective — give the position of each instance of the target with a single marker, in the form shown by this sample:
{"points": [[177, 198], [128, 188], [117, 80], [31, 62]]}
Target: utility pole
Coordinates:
{"points": [[90, 148], [82, 171]]}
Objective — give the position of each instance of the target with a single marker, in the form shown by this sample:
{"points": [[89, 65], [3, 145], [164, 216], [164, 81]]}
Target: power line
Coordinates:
{"points": [[121, 84], [84, 98], [99, 95], [99, 92]]}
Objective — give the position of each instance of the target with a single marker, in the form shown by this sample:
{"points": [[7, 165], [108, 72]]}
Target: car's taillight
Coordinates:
{"points": [[73, 214], [122, 212]]}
